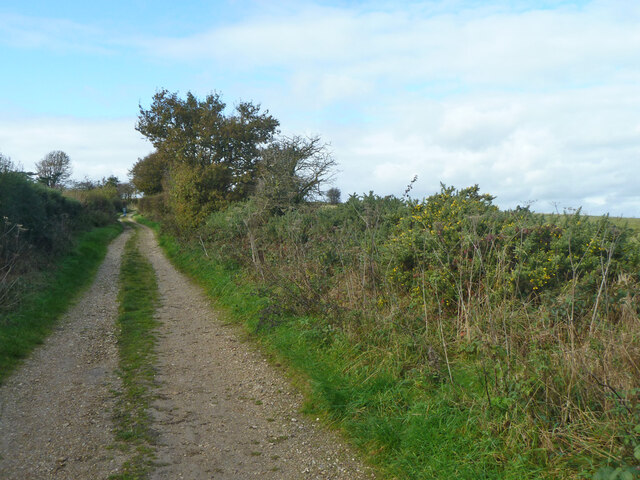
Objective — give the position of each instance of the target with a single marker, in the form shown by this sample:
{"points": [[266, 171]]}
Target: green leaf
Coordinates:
{"points": [[603, 473], [626, 475], [636, 452]]}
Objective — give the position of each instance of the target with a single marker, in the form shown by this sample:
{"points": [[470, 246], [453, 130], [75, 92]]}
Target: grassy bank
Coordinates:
{"points": [[136, 346], [49, 295]]}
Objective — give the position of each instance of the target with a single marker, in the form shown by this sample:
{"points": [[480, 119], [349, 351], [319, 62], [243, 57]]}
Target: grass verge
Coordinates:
{"points": [[136, 346], [50, 296]]}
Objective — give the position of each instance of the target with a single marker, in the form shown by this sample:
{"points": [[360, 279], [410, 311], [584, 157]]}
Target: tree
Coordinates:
{"points": [[292, 170], [126, 191], [6, 164], [54, 169], [149, 172], [333, 196], [197, 134], [111, 181], [85, 184]]}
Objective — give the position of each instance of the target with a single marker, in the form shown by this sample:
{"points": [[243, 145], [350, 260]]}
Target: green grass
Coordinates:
{"points": [[408, 425], [136, 346], [146, 221], [50, 296], [631, 222]]}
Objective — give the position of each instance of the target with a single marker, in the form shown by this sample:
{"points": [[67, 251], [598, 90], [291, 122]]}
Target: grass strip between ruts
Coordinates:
{"points": [[28, 325], [136, 345]]}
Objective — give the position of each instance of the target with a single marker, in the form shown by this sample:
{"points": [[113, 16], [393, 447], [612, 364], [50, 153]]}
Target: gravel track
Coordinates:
{"points": [[221, 411]]}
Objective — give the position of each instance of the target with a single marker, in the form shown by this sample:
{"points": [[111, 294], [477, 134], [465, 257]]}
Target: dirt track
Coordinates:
{"points": [[222, 411]]}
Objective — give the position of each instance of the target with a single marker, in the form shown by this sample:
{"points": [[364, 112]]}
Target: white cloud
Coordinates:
{"points": [[479, 46], [53, 34], [97, 148], [569, 148]]}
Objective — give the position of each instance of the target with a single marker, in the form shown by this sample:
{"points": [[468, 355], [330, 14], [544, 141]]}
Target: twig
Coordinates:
{"points": [[203, 247], [605, 385]]}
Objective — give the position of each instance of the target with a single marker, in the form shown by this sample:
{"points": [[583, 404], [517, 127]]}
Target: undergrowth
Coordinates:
{"points": [[136, 345], [47, 295]]}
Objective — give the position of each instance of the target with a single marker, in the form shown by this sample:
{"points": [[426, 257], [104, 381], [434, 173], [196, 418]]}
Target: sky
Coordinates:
{"points": [[537, 102]]}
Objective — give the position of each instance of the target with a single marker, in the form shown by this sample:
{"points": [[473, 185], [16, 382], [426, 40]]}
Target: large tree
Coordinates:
{"points": [[54, 169], [198, 134]]}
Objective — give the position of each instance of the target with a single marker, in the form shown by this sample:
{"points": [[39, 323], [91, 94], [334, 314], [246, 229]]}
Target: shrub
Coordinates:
{"points": [[47, 217], [528, 323], [102, 203]]}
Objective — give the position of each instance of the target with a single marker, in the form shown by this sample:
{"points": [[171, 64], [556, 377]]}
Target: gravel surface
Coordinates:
{"points": [[222, 411], [55, 411]]}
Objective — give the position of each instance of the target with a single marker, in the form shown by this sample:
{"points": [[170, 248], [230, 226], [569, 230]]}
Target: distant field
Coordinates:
{"points": [[633, 223]]}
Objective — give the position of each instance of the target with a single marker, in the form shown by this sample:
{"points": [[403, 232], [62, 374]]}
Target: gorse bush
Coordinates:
{"points": [[554, 301], [532, 320]]}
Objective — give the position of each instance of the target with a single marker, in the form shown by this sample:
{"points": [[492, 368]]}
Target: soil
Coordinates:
{"points": [[222, 411]]}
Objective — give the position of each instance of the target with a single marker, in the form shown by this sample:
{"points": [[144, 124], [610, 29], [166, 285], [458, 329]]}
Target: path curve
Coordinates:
{"points": [[223, 411], [55, 410]]}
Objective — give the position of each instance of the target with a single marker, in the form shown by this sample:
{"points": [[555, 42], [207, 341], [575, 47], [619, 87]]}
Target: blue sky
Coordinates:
{"points": [[537, 102]]}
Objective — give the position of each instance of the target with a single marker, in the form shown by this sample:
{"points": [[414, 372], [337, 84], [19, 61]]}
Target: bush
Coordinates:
{"points": [[102, 204], [47, 217], [528, 324], [154, 206], [38, 224]]}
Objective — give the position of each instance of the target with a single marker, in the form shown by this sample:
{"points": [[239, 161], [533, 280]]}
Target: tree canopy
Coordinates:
{"points": [[149, 172], [198, 133], [54, 169], [207, 156], [292, 170]]}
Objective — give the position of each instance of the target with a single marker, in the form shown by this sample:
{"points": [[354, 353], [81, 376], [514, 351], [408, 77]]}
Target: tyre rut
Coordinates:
{"points": [[223, 412]]}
